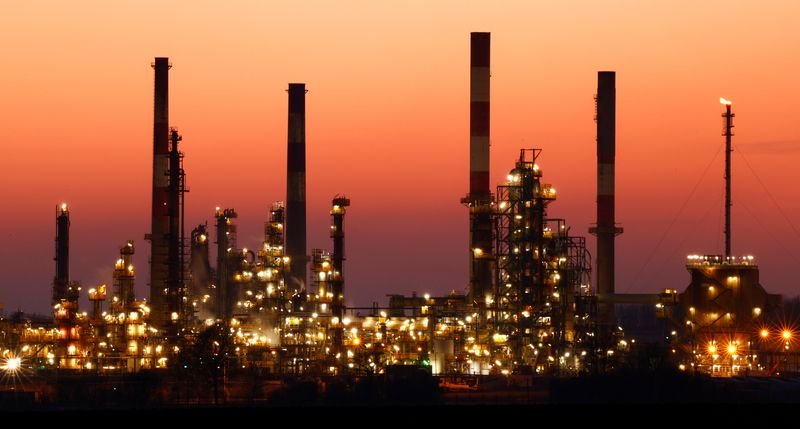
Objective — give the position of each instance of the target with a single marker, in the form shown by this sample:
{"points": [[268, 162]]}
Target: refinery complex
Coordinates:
{"points": [[539, 303]]}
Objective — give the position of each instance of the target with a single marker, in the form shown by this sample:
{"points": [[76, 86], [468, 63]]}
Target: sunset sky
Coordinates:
{"points": [[387, 116]]}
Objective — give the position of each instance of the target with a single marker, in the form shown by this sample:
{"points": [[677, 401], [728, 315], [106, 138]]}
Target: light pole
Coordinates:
{"points": [[732, 353], [787, 337], [763, 335], [712, 352]]}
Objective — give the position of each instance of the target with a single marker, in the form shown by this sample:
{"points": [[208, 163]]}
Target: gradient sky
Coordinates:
{"points": [[388, 109]]}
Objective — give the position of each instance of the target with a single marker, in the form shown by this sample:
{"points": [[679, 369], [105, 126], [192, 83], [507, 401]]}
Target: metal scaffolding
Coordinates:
{"points": [[540, 272]]}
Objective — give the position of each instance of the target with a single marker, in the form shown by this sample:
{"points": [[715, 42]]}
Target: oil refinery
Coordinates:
{"points": [[539, 304]]}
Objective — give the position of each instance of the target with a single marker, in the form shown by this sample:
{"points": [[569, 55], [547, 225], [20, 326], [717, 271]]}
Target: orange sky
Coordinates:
{"points": [[388, 126]]}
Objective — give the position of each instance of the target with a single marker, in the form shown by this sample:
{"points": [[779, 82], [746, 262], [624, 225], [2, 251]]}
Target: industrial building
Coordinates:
{"points": [[725, 308]]}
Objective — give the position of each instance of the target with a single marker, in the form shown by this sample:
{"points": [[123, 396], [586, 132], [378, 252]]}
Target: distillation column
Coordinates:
{"points": [[175, 265], [274, 274], [199, 274], [124, 277], [61, 279], [338, 209], [226, 243], [65, 295], [128, 329], [296, 189]]}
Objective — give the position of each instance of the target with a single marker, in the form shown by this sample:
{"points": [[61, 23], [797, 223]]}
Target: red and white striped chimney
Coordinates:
{"points": [[606, 229], [479, 198], [479, 116]]}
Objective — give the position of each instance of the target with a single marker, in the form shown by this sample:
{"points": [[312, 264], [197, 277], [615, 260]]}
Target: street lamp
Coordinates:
{"points": [[712, 352], [732, 353], [787, 336], [12, 365]]}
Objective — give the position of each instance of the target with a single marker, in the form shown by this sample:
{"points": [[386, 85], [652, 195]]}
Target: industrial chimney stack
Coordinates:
{"points": [[479, 199], [606, 229], [160, 221]]}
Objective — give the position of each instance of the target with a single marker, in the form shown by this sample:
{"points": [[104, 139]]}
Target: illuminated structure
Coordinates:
{"points": [[226, 291], [725, 306], [336, 273], [727, 131], [272, 267], [176, 287], [65, 295], [541, 273], [122, 345], [526, 309], [200, 276]]}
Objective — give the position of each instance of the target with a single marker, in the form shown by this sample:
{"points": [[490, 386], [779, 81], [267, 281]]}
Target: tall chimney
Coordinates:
{"points": [[296, 188], [479, 198], [606, 229], [159, 229]]}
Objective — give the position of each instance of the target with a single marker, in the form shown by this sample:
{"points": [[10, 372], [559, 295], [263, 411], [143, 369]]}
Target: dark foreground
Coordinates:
{"points": [[157, 393]]}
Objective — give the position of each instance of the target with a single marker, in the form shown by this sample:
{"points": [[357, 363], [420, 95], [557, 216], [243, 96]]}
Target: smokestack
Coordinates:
{"points": [[606, 229], [479, 116], [479, 198], [296, 188], [159, 229], [61, 279]]}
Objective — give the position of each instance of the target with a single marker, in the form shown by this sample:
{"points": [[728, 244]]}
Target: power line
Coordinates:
{"points": [[680, 212], [769, 194]]}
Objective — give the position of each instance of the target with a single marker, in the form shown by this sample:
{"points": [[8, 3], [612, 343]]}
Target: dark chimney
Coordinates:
{"points": [[159, 229]]}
